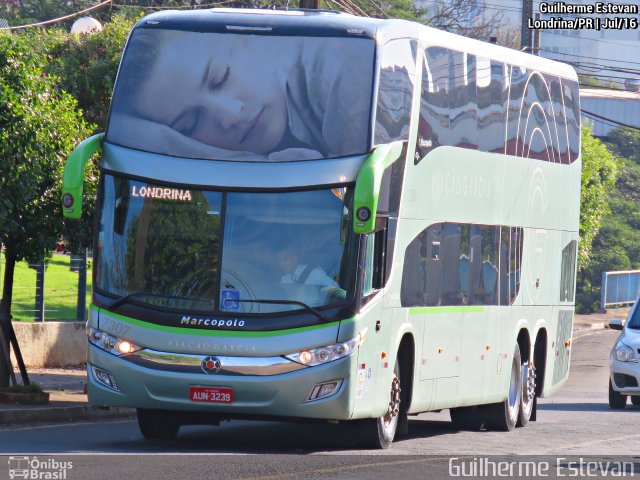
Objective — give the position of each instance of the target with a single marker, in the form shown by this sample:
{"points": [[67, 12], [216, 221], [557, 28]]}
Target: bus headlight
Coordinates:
{"points": [[624, 353], [111, 344], [328, 353]]}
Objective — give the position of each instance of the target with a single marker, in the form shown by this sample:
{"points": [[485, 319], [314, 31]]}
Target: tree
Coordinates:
{"points": [[87, 65], [39, 127], [599, 173], [597, 252], [626, 142], [466, 17]]}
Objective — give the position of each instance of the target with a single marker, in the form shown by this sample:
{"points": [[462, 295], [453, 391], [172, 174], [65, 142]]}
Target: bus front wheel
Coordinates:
{"points": [[378, 433], [504, 415], [157, 424]]}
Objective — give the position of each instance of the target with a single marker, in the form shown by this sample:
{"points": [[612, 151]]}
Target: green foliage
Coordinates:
{"points": [[599, 173], [39, 126], [626, 142], [88, 64], [31, 388], [617, 244]]}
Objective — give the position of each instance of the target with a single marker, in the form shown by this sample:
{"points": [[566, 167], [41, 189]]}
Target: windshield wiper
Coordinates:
{"points": [[125, 299], [309, 308]]}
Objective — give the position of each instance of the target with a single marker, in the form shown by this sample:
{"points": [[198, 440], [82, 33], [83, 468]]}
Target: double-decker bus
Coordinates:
{"points": [[311, 215]]}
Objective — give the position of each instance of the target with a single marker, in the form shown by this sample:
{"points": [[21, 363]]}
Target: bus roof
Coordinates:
{"points": [[265, 21], [338, 24]]}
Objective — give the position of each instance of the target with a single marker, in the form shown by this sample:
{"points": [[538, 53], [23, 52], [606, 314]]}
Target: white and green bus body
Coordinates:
{"points": [[472, 167]]}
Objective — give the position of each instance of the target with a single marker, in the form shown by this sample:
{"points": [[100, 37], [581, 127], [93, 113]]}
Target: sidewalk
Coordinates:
{"points": [[67, 387], [67, 401]]}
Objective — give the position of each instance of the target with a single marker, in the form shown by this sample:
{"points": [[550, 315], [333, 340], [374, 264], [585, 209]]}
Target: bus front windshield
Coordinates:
{"points": [[227, 96], [192, 250]]}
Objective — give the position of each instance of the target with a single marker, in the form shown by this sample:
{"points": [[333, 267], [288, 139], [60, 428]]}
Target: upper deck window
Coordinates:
{"points": [[243, 97]]}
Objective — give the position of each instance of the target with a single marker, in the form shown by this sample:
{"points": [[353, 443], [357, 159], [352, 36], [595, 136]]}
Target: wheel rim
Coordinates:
{"points": [[528, 383], [391, 417], [514, 387]]}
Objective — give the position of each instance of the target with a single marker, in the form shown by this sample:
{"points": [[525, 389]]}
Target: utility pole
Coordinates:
{"points": [[536, 38], [525, 32]]}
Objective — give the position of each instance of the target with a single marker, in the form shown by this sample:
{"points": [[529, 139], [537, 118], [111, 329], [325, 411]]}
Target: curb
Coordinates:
{"points": [[62, 414], [593, 327]]}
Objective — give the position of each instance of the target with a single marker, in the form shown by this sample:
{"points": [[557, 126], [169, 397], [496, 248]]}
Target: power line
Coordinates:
{"points": [[606, 119], [611, 42], [591, 58], [59, 19], [177, 7]]}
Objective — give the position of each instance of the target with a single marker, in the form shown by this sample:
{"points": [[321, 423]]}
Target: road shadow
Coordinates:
{"points": [[270, 437], [584, 407]]}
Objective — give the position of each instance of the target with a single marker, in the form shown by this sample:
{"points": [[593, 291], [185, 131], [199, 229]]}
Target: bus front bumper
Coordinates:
{"points": [[281, 395]]}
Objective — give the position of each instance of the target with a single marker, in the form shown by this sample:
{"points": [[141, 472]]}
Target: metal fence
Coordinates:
{"points": [[619, 288], [43, 291]]}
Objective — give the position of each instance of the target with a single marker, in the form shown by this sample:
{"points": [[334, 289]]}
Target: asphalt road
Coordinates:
{"points": [[574, 422]]}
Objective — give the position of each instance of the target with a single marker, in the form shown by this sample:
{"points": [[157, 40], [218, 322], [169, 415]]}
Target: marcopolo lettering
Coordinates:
{"points": [[211, 322], [161, 193]]}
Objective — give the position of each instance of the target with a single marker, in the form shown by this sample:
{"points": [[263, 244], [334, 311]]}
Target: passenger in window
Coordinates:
{"points": [[243, 96]]}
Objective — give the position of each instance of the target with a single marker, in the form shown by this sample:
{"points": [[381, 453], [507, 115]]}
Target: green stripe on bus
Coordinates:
{"points": [[215, 332], [433, 310]]}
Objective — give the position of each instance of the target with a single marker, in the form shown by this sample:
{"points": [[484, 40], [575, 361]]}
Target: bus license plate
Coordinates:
{"points": [[211, 394]]}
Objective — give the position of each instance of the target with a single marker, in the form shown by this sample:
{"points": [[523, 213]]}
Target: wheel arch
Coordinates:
{"points": [[406, 356], [540, 348], [524, 343]]}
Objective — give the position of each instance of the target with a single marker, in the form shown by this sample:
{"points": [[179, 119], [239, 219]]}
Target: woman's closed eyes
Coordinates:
{"points": [[187, 121]]}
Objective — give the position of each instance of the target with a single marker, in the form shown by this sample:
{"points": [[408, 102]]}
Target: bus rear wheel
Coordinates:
{"points": [[503, 416], [157, 424], [635, 400], [378, 433], [528, 395]]}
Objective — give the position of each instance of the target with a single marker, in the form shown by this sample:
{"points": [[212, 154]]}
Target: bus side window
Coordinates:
{"points": [[462, 100], [572, 112], [375, 262], [491, 105], [560, 120], [515, 262], [395, 91], [568, 272], [422, 269], [433, 123], [518, 80]]}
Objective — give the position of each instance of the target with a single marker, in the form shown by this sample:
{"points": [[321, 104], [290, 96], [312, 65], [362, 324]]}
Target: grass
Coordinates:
{"points": [[60, 289], [31, 388]]}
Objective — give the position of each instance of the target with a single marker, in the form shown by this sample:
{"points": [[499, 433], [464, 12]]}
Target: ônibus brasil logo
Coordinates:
{"points": [[38, 469]]}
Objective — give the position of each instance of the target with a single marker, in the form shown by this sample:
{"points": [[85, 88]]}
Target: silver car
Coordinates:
{"points": [[625, 367]]}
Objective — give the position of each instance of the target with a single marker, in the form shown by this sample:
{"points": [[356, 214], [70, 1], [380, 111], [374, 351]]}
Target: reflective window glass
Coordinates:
{"points": [[395, 91]]}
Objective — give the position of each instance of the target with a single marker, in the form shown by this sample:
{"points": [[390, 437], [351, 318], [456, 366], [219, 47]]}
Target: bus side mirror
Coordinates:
{"points": [[73, 177], [367, 193]]}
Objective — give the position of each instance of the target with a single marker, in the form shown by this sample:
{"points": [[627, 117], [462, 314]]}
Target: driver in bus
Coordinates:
{"points": [[197, 95], [295, 272]]}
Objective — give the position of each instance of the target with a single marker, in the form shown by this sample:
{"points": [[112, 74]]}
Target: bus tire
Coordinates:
{"points": [[528, 395], [635, 400], [466, 418], [157, 424], [378, 433], [503, 416], [617, 401]]}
